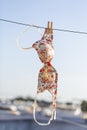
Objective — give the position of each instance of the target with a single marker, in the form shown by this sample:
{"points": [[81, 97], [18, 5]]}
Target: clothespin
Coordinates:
{"points": [[50, 25], [49, 28]]}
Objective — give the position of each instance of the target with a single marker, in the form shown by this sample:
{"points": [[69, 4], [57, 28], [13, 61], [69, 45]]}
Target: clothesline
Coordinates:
{"points": [[36, 26]]}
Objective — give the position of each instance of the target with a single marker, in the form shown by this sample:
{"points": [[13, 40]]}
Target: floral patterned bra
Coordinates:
{"points": [[47, 77]]}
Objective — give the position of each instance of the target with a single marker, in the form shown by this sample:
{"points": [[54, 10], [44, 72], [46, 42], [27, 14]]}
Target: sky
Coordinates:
{"points": [[19, 69]]}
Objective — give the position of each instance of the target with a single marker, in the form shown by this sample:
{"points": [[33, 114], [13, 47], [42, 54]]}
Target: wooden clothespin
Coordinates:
{"points": [[49, 28]]}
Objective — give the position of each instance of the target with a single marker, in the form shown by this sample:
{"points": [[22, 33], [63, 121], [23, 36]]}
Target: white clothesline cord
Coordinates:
{"points": [[36, 26]]}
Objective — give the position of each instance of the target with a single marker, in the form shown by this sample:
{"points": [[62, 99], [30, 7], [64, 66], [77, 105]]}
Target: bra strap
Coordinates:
{"points": [[21, 34], [53, 114]]}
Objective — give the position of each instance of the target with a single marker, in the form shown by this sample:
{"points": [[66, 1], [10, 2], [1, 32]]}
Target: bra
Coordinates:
{"points": [[48, 76]]}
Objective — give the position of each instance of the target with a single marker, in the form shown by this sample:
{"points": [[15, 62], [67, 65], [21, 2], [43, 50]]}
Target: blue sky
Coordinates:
{"points": [[19, 69]]}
